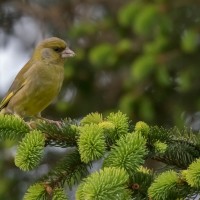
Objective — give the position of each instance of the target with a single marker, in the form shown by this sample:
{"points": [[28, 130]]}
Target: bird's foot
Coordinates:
{"points": [[57, 123]]}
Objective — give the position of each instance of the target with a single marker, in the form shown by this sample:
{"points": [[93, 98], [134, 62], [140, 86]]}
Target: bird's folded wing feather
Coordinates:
{"points": [[17, 84]]}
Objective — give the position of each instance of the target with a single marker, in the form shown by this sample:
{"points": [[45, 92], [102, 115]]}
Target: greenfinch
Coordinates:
{"points": [[39, 81]]}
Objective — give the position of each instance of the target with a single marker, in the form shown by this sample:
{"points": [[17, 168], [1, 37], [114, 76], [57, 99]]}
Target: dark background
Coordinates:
{"points": [[140, 57]]}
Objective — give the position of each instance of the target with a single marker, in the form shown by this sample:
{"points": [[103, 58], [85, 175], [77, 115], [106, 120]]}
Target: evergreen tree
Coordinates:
{"points": [[123, 147]]}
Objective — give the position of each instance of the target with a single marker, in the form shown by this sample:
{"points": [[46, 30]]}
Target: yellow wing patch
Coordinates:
{"points": [[7, 98]]}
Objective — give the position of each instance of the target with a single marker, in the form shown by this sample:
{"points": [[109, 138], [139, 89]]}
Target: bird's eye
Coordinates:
{"points": [[57, 49]]}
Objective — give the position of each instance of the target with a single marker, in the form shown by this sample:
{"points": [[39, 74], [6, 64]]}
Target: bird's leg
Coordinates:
{"points": [[58, 123]]}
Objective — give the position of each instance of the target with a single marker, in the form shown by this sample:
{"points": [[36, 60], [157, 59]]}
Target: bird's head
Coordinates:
{"points": [[52, 50]]}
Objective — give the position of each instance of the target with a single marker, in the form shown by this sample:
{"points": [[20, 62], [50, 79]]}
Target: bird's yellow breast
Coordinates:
{"points": [[40, 89]]}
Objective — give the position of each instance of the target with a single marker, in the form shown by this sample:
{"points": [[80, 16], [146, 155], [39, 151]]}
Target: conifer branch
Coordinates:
{"points": [[171, 185], [109, 183], [123, 152], [140, 181], [164, 186], [92, 118], [30, 150], [192, 174], [128, 153], [44, 192], [121, 126], [178, 153], [58, 194], [69, 170], [62, 134], [169, 146], [36, 191], [91, 142], [12, 127]]}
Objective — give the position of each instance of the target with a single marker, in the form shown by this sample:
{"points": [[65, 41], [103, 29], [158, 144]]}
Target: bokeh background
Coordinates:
{"points": [[141, 57]]}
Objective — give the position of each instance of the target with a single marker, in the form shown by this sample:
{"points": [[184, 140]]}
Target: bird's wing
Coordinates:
{"points": [[17, 84]]}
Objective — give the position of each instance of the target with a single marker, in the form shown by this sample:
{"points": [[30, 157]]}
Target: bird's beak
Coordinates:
{"points": [[67, 53]]}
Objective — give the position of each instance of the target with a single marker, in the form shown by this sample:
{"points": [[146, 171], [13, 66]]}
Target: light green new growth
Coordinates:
{"points": [[30, 150], [120, 121], [192, 175], [12, 127], [160, 147], [59, 194], [108, 126], [91, 142], [128, 153], [92, 118], [36, 191], [164, 186], [144, 170], [109, 183], [141, 126]]}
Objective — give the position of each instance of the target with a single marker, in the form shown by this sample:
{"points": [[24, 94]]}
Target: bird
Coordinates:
{"points": [[39, 81]]}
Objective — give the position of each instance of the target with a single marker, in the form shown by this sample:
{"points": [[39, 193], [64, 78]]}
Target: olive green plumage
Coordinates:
{"points": [[39, 81]]}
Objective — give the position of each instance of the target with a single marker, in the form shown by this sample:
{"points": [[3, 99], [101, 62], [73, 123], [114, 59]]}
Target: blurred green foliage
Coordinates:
{"points": [[140, 57]]}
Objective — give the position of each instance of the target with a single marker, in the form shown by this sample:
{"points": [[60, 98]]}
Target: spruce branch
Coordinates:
{"points": [[30, 150], [155, 133], [69, 170], [114, 125], [12, 127], [59, 194], [128, 153], [179, 153], [92, 118], [164, 186], [187, 135], [160, 147], [42, 191], [122, 176], [171, 185], [192, 174], [169, 146], [120, 122], [142, 127], [36, 191], [140, 181], [107, 126], [91, 142], [109, 183], [62, 134]]}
